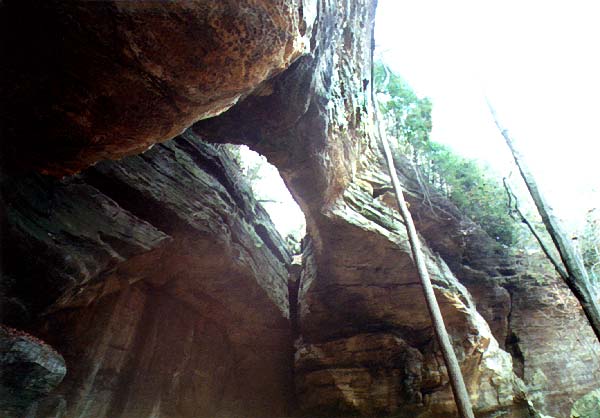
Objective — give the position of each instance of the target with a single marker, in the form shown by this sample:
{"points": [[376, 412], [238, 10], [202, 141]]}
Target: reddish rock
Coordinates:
{"points": [[106, 79]]}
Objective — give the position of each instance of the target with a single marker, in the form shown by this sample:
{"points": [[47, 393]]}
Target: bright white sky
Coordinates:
{"points": [[277, 200], [538, 61]]}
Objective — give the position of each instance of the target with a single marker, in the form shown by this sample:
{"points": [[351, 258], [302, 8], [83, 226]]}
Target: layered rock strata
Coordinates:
{"points": [[158, 277], [530, 310], [167, 293], [556, 353], [361, 278], [29, 370]]}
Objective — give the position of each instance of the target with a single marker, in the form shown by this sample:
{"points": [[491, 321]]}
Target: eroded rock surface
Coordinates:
{"points": [[530, 310], [159, 277], [29, 370], [359, 277], [171, 286], [557, 354], [107, 79]]}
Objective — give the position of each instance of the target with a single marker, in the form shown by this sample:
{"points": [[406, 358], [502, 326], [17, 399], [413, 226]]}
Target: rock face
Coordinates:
{"points": [[529, 309], [29, 370], [556, 352], [110, 78], [359, 282], [364, 282], [160, 279], [168, 289]]}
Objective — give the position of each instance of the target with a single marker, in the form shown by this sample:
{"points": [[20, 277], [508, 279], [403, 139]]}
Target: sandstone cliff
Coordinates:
{"points": [[161, 281]]}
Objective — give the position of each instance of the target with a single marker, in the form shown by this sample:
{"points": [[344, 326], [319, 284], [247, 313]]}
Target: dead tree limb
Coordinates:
{"points": [[576, 275], [547, 252]]}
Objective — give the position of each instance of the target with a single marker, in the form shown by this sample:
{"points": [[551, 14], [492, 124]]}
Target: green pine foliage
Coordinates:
{"points": [[469, 185]]}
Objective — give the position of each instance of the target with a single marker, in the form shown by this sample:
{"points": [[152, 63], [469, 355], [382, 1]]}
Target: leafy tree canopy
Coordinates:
{"points": [[469, 185]]}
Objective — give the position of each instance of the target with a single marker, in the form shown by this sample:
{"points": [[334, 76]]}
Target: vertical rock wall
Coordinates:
{"points": [[557, 351]]}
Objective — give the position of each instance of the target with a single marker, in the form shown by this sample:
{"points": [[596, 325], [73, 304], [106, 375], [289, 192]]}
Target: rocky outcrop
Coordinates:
{"points": [[530, 310], [107, 79], [363, 292], [29, 370], [556, 353], [167, 293], [359, 278], [160, 279]]}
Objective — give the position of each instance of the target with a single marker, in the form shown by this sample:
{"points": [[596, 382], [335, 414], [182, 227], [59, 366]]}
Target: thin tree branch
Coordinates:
{"points": [[512, 197], [577, 277]]}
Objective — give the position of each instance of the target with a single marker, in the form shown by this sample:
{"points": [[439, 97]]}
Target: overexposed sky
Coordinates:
{"points": [[270, 189], [539, 63]]}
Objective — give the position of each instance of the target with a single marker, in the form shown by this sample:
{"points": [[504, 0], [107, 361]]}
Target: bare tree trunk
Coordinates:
{"points": [[546, 250], [576, 276], [461, 396]]}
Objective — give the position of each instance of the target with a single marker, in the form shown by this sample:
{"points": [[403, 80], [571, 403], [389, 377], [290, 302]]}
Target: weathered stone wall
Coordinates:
{"points": [[110, 78], [558, 354], [530, 310], [158, 277], [315, 124], [30, 370], [165, 286]]}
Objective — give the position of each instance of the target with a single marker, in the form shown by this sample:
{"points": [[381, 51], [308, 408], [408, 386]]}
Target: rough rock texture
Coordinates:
{"points": [[559, 354], [29, 370], [588, 406], [364, 373], [530, 310], [358, 277], [158, 276], [110, 78], [366, 283], [167, 294]]}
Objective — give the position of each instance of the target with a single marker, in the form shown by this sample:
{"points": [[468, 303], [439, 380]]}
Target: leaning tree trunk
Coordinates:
{"points": [[574, 274], [461, 396]]}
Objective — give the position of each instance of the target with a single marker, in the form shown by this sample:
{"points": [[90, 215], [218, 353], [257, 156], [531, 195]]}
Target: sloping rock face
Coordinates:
{"points": [[110, 78], [167, 294], [29, 370]]}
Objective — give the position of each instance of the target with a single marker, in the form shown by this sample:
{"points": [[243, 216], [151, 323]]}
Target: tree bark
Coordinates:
{"points": [[545, 249], [461, 396], [576, 276]]}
